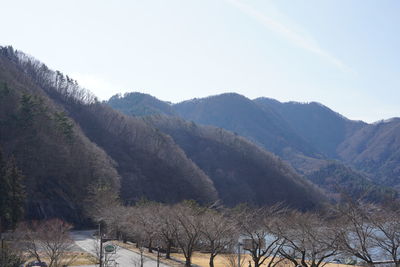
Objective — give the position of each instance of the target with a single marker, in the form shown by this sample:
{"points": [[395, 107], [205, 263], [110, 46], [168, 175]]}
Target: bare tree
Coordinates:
{"points": [[256, 227], [102, 203], [386, 221], [167, 229], [49, 239], [11, 253], [187, 228], [148, 222], [310, 240], [131, 228], [232, 259], [357, 233], [217, 233], [139, 262]]}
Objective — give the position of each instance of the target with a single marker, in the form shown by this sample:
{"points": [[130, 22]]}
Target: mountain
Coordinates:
{"points": [[315, 123], [242, 172], [138, 104], [150, 163], [372, 149], [57, 159], [65, 141], [239, 114], [339, 180], [306, 135], [375, 149]]}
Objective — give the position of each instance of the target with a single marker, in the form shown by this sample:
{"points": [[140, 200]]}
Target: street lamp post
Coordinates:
{"points": [[102, 240], [101, 246], [239, 244]]}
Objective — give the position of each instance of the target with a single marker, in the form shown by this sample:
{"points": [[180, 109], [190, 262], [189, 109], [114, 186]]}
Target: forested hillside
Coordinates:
{"points": [[138, 104], [65, 142], [306, 135], [340, 181], [239, 114], [375, 148], [241, 171], [150, 163], [58, 161], [315, 123]]}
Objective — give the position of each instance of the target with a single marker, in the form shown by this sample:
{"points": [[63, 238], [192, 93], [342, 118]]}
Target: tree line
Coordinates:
{"points": [[353, 232]]}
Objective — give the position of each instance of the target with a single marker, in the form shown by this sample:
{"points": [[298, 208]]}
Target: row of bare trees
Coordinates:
{"points": [[271, 235]]}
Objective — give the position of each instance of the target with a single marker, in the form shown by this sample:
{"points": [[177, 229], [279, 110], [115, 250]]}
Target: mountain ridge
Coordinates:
{"points": [[327, 131], [84, 144]]}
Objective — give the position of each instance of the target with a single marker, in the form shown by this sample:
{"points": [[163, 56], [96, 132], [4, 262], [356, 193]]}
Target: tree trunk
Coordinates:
{"points": [[188, 262], [212, 256], [150, 248], [168, 252]]}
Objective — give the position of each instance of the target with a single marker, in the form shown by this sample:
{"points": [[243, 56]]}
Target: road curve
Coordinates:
{"points": [[123, 257]]}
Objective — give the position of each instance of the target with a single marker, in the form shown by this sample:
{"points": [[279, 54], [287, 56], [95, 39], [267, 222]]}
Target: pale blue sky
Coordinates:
{"points": [[342, 53]]}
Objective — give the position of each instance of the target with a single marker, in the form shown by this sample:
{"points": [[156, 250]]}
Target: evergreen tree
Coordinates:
{"points": [[12, 193], [16, 195], [3, 192]]}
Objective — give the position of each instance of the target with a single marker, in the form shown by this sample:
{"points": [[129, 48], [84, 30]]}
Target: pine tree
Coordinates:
{"points": [[12, 193], [3, 193], [16, 195]]}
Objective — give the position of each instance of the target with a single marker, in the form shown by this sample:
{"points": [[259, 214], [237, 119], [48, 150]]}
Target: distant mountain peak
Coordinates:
{"points": [[140, 104]]}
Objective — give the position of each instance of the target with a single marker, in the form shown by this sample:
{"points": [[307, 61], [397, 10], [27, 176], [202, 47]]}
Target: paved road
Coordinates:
{"points": [[124, 257]]}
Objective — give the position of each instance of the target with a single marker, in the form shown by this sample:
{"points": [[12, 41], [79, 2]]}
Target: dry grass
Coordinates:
{"points": [[152, 256], [202, 259], [73, 259]]}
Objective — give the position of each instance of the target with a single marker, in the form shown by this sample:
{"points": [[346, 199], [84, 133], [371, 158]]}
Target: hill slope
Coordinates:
{"points": [[315, 123], [65, 141], [239, 114], [240, 170], [375, 149], [58, 160], [138, 104], [307, 135]]}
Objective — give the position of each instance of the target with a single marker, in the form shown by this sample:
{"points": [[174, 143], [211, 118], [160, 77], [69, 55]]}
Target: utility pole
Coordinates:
{"points": [[101, 246], [141, 257]]}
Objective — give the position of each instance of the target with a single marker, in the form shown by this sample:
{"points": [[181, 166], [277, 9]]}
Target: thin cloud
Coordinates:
{"points": [[290, 34]]}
